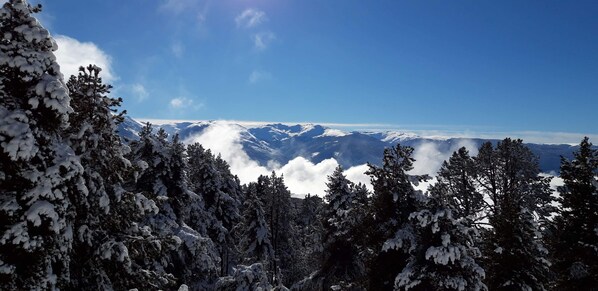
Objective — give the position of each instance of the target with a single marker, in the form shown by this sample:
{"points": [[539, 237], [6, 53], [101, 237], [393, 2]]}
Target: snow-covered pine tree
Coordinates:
{"points": [[254, 238], [245, 278], [393, 200], [104, 219], [576, 247], [444, 256], [196, 260], [38, 170], [342, 262], [149, 156], [277, 206], [457, 178], [187, 253], [199, 219], [232, 204], [308, 236], [310, 209], [220, 196], [520, 201]]}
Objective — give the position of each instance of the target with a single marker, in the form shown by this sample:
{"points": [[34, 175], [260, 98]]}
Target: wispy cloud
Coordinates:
{"points": [[181, 105], [72, 54], [139, 91], [177, 49], [258, 75], [262, 40], [180, 102], [250, 18]]}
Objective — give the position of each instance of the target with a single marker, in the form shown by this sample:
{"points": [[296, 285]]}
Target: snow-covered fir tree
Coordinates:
{"points": [[342, 217], [39, 171], [576, 246], [254, 234], [444, 256], [107, 216], [308, 238], [277, 205], [245, 278], [195, 263], [220, 192], [199, 219], [148, 155], [457, 178], [393, 200], [520, 201]]}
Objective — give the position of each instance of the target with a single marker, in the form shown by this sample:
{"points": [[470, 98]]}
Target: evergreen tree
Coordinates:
{"points": [[149, 157], [576, 249], [245, 278], [520, 201], [277, 206], [457, 178], [199, 219], [308, 239], [106, 213], [444, 257], [341, 219], [255, 237], [210, 177], [38, 170], [393, 200]]}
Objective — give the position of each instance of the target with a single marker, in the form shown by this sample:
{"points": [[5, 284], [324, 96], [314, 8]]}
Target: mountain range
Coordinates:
{"points": [[280, 143]]}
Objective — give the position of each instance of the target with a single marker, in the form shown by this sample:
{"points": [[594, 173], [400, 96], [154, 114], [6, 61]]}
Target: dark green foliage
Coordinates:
{"points": [[277, 205], [576, 234], [210, 177], [393, 200], [254, 237], [444, 256], [520, 201], [343, 218], [457, 178]]}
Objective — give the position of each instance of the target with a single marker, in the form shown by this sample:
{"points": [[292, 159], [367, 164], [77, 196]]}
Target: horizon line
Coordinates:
{"points": [[441, 131]]}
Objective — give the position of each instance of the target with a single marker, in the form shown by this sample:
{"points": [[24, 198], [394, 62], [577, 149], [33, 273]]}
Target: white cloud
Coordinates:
{"points": [[304, 177], [428, 157], [250, 18], [72, 54], [258, 75], [139, 91], [356, 174], [225, 138], [301, 176], [180, 102], [262, 40]]}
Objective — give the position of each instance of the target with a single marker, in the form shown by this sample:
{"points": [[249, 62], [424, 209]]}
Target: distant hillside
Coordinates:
{"points": [[281, 143]]}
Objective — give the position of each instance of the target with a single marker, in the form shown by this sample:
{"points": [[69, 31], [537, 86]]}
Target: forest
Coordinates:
{"points": [[83, 209]]}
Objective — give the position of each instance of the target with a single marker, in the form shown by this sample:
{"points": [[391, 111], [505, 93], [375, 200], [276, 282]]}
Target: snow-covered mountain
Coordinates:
{"points": [[280, 143]]}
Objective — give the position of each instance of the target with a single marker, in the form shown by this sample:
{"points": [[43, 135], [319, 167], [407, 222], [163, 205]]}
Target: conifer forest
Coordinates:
{"points": [[82, 208]]}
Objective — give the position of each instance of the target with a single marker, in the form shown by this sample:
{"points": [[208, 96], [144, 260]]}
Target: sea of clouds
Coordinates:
{"points": [[301, 175]]}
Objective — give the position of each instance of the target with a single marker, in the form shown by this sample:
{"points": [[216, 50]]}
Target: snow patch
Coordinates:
{"points": [[333, 132]]}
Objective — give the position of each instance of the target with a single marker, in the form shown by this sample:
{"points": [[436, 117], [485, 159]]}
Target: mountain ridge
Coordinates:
{"points": [[281, 142]]}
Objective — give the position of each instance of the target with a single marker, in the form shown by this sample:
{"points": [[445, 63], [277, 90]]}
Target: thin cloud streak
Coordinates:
{"points": [[250, 18], [262, 40]]}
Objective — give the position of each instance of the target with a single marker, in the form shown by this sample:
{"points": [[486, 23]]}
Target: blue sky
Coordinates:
{"points": [[501, 66]]}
